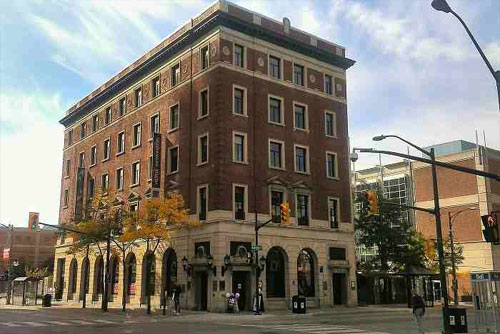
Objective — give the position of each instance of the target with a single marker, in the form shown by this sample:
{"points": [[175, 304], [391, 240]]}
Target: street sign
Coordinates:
{"points": [[256, 248]]}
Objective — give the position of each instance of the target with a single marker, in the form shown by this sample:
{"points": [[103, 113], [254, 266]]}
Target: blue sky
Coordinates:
{"points": [[417, 74]]}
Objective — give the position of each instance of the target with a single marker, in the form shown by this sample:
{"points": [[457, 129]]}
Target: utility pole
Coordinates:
{"points": [[453, 268]]}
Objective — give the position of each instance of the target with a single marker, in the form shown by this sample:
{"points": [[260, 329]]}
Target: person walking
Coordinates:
{"points": [[418, 311], [176, 295]]}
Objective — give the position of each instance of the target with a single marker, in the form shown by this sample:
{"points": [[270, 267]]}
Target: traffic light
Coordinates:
{"points": [[371, 197], [491, 230], [285, 212]]}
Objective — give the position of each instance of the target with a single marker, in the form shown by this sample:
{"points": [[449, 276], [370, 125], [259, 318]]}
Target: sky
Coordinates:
{"points": [[417, 74]]}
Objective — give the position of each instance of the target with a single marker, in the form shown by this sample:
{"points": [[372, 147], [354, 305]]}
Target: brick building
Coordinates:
{"points": [[466, 198], [252, 112]]}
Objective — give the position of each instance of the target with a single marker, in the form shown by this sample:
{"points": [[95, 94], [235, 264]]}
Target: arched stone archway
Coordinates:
{"points": [[130, 275], [169, 272], [276, 267], [73, 277], [306, 272], [84, 278], [148, 276], [114, 275], [98, 278]]}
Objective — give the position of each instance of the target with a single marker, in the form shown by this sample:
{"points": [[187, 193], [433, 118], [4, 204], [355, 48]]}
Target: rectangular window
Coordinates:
{"points": [[154, 125], [298, 74], [239, 101], [173, 159], [333, 212], [119, 179], [123, 106], [300, 117], [107, 148], [91, 188], [239, 147], [176, 74], [203, 103], [203, 149], [331, 165], [174, 117], [204, 57], [107, 118], [66, 197], [277, 197], [83, 130], [136, 170], [121, 142], [239, 196], [202, 202], [150, 167], [302, 209], [330, 126], [70, 137], [276, 158], [337, 253], [137, 135], [275, 111], [301, 159], [68, 167], [93, 155], [95, 123], [138, 97], [239, 55], [328, 84], [274, 67], [156, 86], [81, 160], [104, 183]]}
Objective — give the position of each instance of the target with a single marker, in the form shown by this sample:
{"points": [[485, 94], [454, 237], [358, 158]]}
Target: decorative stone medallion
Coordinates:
{"points": [[339, 87], [312, 78], [213, 51], [225, 50], [185, 69], [260, 61]]}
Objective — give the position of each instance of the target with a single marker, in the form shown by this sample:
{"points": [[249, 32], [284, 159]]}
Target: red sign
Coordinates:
{"points": [[6, 254]]}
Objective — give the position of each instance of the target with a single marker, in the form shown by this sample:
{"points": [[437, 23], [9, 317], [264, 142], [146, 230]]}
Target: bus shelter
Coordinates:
{"points": [[485, 294], [26, 290]]}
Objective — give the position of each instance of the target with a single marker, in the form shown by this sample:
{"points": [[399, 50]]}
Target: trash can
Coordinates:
{"points": [[46, 301], [298, 304], [457, 319]]}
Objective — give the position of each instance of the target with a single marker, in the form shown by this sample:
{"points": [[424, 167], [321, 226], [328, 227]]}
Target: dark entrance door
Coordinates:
{"points": [[339, 289], [203, 277], [60, 278], [241, 284]]}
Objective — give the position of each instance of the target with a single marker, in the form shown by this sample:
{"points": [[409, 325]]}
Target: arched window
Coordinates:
{"points": [[305, 273], [169, 270], [73, 274], [115, 275], [275, 273], [148, 272], [85, 278], [131, 265], [98, 276]]}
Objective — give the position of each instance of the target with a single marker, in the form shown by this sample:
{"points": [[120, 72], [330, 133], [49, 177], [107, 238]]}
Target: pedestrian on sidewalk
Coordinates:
{"points": [[176, 295], [418, 311]]}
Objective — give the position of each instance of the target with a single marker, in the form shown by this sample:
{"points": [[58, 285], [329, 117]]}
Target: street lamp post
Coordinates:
{"points": [[442, 6], [451, 218], [439, 232]]}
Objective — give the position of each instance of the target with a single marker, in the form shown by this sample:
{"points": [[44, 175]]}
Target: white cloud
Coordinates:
{"points": [[30, 158]]}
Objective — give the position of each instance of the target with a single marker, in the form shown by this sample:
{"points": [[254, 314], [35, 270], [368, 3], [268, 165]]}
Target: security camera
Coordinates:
{"points": [[354, 157]]}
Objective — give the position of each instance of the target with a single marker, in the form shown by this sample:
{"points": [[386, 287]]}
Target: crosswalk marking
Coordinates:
{"points": [[59, 323], [104, 321], [34, 324], [82, 322], [313, 328], [10, 324]]}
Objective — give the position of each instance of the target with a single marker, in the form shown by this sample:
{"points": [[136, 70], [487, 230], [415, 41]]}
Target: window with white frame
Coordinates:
{"points": [[298, 74], [239, 55], [156, 86], [70, 137], [119, 179], [81, 160], [331, 165], [240, 147], [174, 117], [83, 130], [330, 124], [239, 100], [275, 67], [173, 159], [121, 142], [204, 54], [202, 202], [176, 74], [302, 203], [276, 154], [95, 123], [203, 149], [138, 97], [301, 159], [122, 106], [333, 212], [136, 173], [107, 116], [276, 110], [68, 167], [104, 183], [328, 84], [137, 135], [301, 121], [154, 125], [239, 201], [66, 198], [91, 187], [93, 155], [277, 197], [107, 148], [203, 103]]}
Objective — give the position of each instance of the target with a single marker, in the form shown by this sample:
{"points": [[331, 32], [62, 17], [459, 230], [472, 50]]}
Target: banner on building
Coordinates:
{"points": [[6, 254], [156, 170], [80, 178]]}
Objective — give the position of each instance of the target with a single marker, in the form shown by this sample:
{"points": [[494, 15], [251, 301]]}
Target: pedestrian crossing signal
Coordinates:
{"points": [[491, 230], [285, 212], [371, 197]]}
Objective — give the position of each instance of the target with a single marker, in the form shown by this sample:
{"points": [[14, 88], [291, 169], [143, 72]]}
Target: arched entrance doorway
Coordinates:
{"points": [[98, 278], [130, 275], [148, 276], [73, 276], [114, 276], [275, 273], [169, 273], [85, 278], [306, 280]]}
